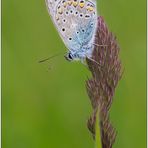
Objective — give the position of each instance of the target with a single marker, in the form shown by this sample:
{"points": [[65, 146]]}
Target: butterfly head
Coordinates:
{"points": [[81, 54], [70, 56]]}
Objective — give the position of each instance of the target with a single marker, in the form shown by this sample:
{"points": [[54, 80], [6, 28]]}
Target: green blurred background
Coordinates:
{"points": [[46, 105]]}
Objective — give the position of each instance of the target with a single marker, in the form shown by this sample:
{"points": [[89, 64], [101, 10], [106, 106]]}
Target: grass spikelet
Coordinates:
{"points": [[105, 67]]}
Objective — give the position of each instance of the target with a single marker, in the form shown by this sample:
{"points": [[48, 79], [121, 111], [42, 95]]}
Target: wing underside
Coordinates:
{"points": [[69, 16]]}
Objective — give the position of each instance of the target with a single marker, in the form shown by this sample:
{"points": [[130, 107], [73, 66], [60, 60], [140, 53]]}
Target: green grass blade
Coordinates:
{"points": [[98, 143]]}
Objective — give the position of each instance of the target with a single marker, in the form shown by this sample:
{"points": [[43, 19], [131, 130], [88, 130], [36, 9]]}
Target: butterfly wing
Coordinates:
{"points": [[73, 20]]}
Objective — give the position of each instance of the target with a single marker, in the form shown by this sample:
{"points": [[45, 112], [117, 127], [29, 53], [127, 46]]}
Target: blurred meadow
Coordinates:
{"points": [[46, 105]]}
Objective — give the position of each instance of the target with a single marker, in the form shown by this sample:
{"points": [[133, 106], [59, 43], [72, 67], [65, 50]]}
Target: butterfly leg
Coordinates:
{"points": [[94, 61], [99, 45]]}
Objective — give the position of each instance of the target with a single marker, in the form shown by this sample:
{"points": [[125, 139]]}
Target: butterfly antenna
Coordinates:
{"points": [[44, 60]]}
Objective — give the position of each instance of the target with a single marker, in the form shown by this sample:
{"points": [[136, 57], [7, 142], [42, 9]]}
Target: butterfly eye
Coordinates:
{"points": [[70, 56]]}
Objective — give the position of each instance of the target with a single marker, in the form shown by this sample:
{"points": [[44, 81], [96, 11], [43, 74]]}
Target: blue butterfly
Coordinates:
{"points": [[76, 22]]}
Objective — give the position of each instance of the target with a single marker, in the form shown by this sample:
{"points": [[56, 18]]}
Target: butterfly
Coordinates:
{"points": [[76, 22]]}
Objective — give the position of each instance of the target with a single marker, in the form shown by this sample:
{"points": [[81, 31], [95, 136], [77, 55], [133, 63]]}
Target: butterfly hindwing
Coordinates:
{"points": [[75, 21]]}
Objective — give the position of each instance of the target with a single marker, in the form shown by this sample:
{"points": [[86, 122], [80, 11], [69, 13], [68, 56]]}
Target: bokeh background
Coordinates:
{"points": [[46, 105]]}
